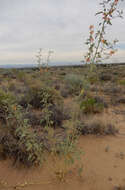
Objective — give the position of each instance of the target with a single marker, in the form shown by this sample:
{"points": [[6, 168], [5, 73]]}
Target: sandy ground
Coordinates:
{"points": [[103, 166]]}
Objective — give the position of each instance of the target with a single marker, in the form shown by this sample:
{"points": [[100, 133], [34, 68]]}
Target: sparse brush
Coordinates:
{"points": [[67, 154], [74, 83], [20, 75], [97, 126], [6, 102], [12, 86], [92, 104]]}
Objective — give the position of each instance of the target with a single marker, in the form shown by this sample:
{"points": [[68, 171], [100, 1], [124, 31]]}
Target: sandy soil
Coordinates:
{"points": [[103, 165]]}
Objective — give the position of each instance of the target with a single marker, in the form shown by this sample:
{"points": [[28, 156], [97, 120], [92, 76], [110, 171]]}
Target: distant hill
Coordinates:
{"points": [[18, 66], [7, 66]]}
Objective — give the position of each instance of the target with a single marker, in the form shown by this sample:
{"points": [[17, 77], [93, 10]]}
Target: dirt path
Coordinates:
{"points": [[103, 166]]}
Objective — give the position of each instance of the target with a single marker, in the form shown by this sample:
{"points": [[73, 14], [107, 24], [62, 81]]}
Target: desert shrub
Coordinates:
{"points": [[52, 116], [115, 73], [101, 100], [6, 102], [22, 101], [96, 127], [45, 96], [92, 78], [120, 100], [68, 148], [12, 86], [33, 118], [105, 77], [48, 116], [7, 73], [20, 75], [48, 101], [63, 73], [122, 82], [74, 83], [94, 88], [92, 104], [57, 86], [19, 141], [64, 92], [111, 90], [32, 152]]}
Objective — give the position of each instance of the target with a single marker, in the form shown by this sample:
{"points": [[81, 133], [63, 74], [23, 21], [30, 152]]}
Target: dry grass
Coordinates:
{"points": [[103, 124]]}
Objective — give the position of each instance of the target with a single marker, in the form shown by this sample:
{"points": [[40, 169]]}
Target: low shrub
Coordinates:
{"points": [[49, 116], [17, 138], [7, 73], [52, 116], [96, 126], [40, 97], [64, 92], [27, 145], [12, 86], [48, 101], [111, 89], [6, 102], [19, 142], [120, 100], [93, 78], [92, 104], [74, 83], [20, 75], [122, 82], [105, 77]]}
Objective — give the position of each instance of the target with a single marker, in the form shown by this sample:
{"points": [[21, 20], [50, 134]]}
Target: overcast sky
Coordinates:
{"points": [[60, 25]]}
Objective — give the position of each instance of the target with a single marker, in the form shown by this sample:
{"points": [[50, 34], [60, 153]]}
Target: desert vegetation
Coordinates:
{"points": [[39, 117], [45, 111]]}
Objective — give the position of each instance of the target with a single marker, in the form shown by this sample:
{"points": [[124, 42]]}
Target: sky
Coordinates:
{"points": [[58, 25]]}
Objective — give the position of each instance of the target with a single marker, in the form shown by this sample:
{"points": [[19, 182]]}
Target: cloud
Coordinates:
{"points": [[27, 25]]}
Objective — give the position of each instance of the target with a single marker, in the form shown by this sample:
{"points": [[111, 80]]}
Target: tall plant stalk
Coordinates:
{"points": [[99, 47]]}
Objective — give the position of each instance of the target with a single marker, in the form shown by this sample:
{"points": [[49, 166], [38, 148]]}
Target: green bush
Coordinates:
{"points": [[122, 82], [19, 141], [47, 100], [42, 96], [7, 100], [91, 105]]}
